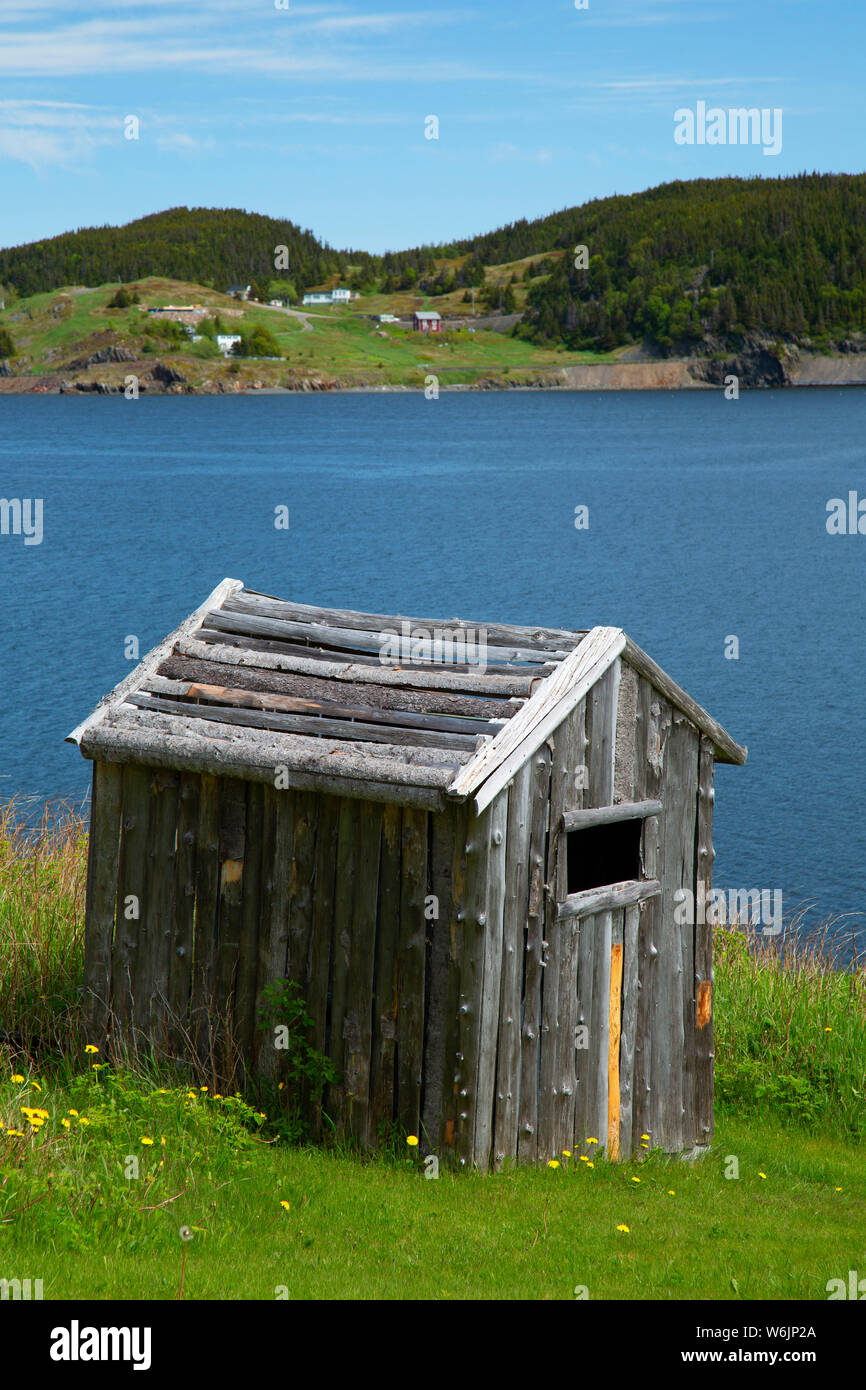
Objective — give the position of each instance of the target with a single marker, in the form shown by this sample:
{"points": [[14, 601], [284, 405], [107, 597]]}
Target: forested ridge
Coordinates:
{"points": [[677, 265]]}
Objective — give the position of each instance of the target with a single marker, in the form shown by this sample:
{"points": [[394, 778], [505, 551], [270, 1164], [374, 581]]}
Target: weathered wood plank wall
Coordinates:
{"points": [[440, 979]]}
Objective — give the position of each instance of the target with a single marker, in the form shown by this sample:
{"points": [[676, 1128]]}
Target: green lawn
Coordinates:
{"points": [[52, 329], [77, 1214]]}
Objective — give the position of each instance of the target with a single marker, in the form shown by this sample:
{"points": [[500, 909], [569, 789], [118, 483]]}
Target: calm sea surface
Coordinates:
{"points": [[707, 520]]}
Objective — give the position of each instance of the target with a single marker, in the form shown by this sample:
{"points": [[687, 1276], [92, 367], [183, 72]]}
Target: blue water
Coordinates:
{"points": [[707, 519]]}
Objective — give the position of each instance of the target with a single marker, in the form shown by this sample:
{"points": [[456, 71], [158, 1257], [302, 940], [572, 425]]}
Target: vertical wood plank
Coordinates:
{"points": [[252, 911], [301, 879], [206, 899], [358, 1018], [704, 951], [181, 956], [473, 922], [612, 1129], [159, 914], [628, 1023], [677, 869], [452, 1101], [232, 848], [131, 885], [514, 927], [322, 944], [347, 865], [273, 955], [491, 982], [384, 1044], [438, 1066], [103, 856], [411, 970], [530, 1036], [653, 722]]}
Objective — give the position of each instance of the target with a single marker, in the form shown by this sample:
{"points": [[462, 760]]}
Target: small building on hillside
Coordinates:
{"points": [[338, 296], [426, 321], [226, 342], [239, 291], [467, 845]]}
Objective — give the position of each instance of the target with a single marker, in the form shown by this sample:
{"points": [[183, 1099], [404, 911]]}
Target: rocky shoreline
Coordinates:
{"points": [[755, 367]]}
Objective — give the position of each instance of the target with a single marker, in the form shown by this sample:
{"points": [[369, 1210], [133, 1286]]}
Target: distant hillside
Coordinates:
{"points": [[678, 264], [206, 246], [689, 267]]}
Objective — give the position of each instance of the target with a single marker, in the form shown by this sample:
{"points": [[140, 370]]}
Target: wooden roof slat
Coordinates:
{"points": [[347, 668], [352, 730], [498, 634], [375, 762], [322, 635], [315, 709], [383, 697]]}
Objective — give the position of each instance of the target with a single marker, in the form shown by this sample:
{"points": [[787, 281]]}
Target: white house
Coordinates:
{"points": [[226, 341], [329, 297]]}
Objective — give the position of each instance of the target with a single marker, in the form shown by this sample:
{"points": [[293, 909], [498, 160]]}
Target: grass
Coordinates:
{"points": [[54, 329], [76, 1212]]}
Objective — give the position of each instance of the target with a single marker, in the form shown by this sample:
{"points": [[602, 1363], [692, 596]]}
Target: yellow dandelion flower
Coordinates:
{"points": [[624, 1228], [280, 1085], [838, 1189], [17, 1077], [35, 1085], [83, 1120], [412, 1140], [36, 1121], [762, 1175], [73, 1112], [584, 1159], [16, 1133], [145, 1140], [592, 1141], [67, 1124], [161, 1092], [566, 1153], [203, 1088], [286, 1205], [260, 1115], [191, 1095], [162, 1139], [553, 1163], [671, 1192], [217, 1096], [828, 1030], [635, 1179], [589, 1165], [91, 1049], [644, 1136]]}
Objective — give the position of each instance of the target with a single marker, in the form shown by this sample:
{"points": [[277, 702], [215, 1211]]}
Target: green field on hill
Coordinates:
{"points": [[56, 333]]}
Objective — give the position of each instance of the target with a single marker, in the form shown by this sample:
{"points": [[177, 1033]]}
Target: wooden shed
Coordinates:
{"points": [[463, 842]]}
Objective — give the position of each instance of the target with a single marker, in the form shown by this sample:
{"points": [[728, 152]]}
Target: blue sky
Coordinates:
{"points": [[317, 111]]}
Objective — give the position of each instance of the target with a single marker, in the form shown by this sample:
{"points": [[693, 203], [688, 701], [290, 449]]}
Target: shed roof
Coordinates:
{"points": [[427, 314], [249, 684]]}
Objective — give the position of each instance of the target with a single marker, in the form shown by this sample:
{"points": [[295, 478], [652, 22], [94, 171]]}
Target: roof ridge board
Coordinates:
{"points": [[354, 618], [552, 700], [152, 659]]}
